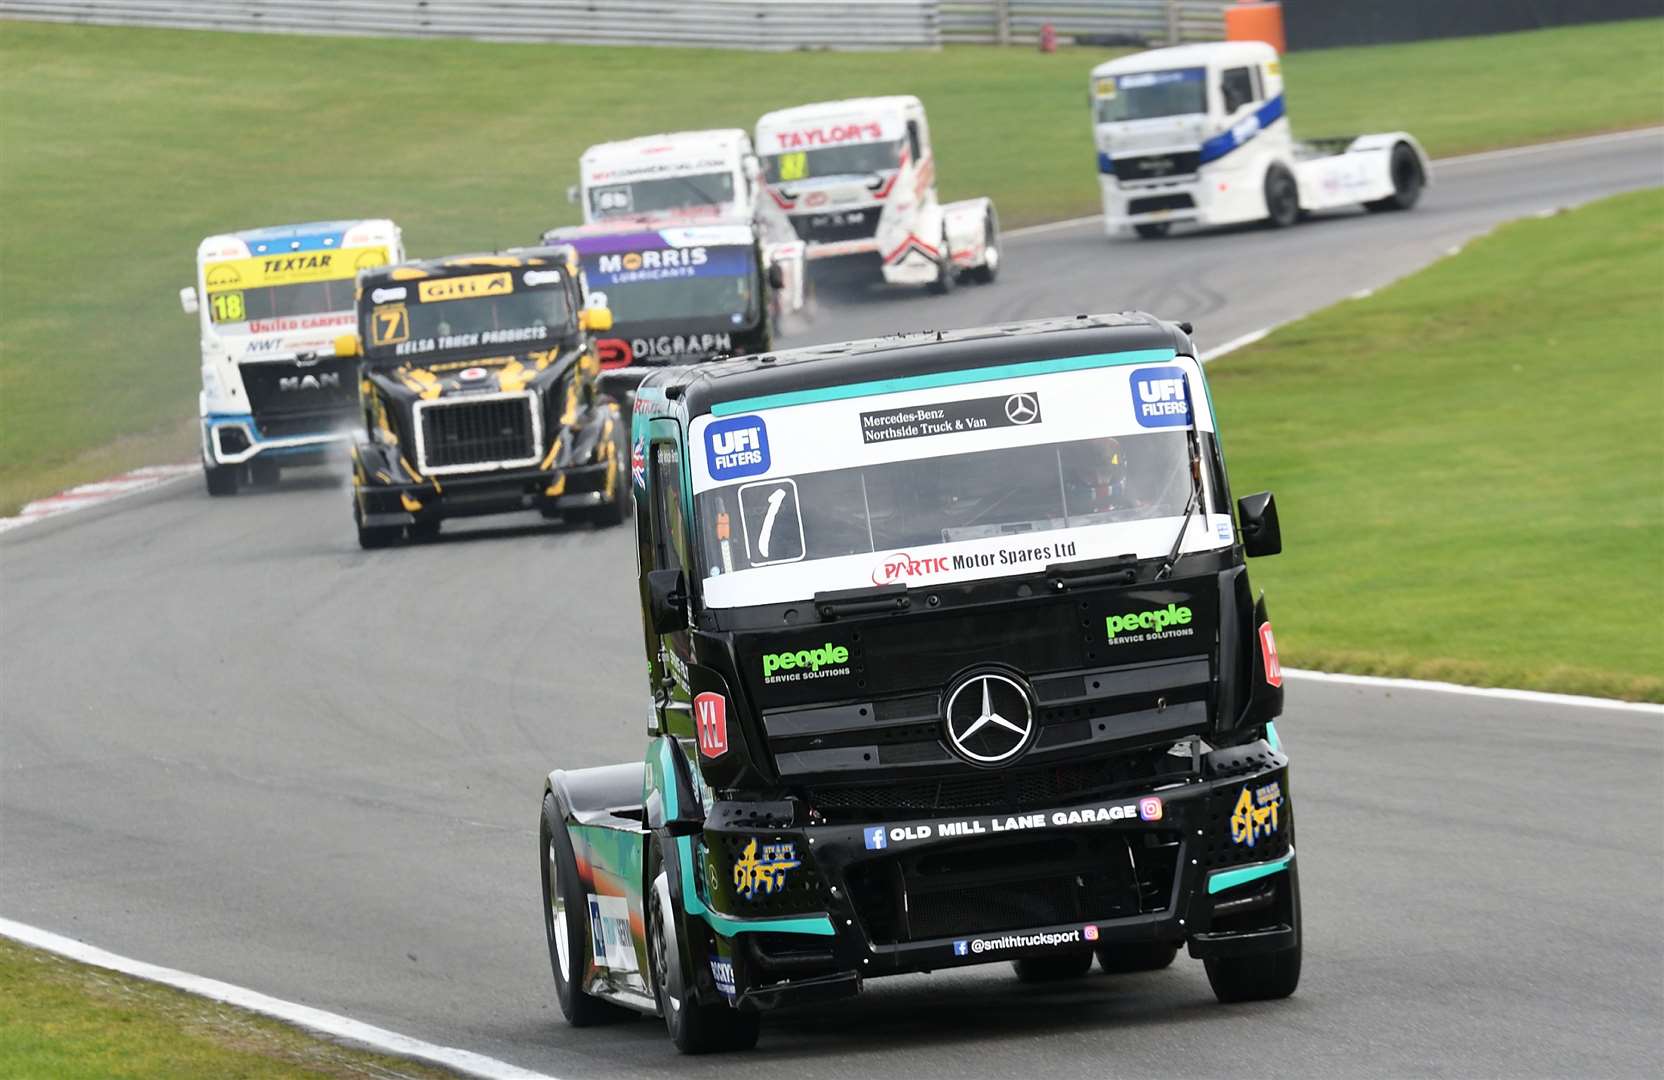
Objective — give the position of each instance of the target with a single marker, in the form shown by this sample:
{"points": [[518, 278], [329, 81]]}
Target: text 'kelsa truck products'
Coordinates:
{"points": [[1199, 133], [677, 295], [954, 659], [857, 181], [270, 304], [479, 396]]}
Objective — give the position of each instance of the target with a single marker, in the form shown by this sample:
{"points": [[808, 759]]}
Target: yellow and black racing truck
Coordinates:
{"points": [[479, 396]]}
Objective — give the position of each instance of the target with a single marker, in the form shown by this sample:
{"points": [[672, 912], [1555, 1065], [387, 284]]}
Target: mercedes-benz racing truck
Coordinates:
{"points": [[857, 181], [677, 295], [1200, 133], [479, 396], [954, 660], [270, 303]]}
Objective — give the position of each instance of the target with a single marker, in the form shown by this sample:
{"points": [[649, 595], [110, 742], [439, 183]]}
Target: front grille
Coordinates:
{"points": [[1011, 789], [289, 425], [1160, 202], [983, 886], [477, 431], [837, 227], [1157, 166], [320, 392]]}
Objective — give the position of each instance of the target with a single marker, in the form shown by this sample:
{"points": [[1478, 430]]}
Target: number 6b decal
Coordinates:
{"points": [[389, 325]]}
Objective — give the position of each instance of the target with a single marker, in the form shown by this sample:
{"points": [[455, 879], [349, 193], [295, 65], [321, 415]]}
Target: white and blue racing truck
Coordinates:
{"points": [[1200, 133], [270, 304]]}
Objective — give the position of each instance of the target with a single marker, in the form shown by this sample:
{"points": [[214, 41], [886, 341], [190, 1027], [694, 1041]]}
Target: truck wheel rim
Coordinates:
{"points": [[991, 257], [557, 906]]}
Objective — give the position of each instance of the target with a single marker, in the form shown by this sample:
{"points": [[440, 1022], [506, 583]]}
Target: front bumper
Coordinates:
{"points": [[235, 438], [388, 496], [1183, 864], [1203, 199]]}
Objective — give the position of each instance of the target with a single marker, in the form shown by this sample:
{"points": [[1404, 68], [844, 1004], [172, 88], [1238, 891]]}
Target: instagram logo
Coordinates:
{"points": [[1149, 808]]}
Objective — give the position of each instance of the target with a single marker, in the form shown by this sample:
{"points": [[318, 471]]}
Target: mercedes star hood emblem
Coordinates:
{"points": [[990, 720]]}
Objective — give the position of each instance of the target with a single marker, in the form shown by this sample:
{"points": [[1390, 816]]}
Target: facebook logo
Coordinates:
{"points": [[961, 948], [877, 839]]}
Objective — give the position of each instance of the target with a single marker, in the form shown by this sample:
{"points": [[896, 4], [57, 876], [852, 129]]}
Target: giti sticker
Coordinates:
{"points": [[765, 870], [1158, 397], [710, 717], [1268, 653], [737, 447], [465, 288], [1258, 814]]}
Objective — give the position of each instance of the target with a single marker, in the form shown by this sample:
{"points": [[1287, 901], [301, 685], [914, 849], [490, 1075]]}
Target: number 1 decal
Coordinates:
{"points": [[774, 501]]}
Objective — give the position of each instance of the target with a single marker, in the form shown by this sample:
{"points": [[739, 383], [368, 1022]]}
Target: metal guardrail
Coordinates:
{"points": [[731, 24], [1152, 22]]}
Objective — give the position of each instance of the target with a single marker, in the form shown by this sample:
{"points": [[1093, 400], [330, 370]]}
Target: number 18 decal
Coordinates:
{"points": [[227, 307]]}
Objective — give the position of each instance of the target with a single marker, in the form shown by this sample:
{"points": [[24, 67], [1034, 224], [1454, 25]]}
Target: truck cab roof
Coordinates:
{"points": [[308, 236], [1212, 54], [894, 104], [816, 371], [562, 255], [714, 144]]}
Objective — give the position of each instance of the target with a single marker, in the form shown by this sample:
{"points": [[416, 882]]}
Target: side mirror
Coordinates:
{"points": [[1261, 535], [349, 345], [776, 276], [572, 194], [595, 320], [667, 600], [187, 299]]}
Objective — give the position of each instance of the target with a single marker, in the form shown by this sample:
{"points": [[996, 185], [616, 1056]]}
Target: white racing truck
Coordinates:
{"points": [[857, 181], [1200, 133], [689, 178], [270, 304]]}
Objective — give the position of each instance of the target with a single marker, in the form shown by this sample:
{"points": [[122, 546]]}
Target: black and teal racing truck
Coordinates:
{"points": [[953, 659]]}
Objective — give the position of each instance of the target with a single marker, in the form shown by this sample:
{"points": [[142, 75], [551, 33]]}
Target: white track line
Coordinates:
{"points": [[326, 1023], [1535, 696], [98, 493], [1445, 162]]}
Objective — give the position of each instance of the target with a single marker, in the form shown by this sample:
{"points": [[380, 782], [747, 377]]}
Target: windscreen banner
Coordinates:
{"points": [[952, 477]]}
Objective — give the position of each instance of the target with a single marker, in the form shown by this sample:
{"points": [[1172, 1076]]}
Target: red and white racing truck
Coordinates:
{"points": [[856, 180]]}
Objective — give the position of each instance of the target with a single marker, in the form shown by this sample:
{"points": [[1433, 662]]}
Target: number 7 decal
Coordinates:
{"points": [[389, 325]]}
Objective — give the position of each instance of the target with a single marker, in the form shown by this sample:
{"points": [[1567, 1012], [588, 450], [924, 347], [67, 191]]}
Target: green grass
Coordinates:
{"points": [[65, 1021], [1469, 465], [120, 149]]}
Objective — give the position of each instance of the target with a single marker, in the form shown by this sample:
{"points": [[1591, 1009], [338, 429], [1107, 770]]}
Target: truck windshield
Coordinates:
{"points": [[706, 191], [442, 314], [280, 301], [852, 159], [1148, 95], [959, 483], [719, 283]]}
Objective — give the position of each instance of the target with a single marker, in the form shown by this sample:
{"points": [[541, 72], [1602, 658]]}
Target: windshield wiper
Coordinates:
{"points": [[1195, 443], [1115, 570], [880, 598]]}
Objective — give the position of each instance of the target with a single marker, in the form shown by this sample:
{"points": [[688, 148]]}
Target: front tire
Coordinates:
{"points": [[1145, 956], [1282, 198], [1266, 977], [946, 276], [566, 924], [264, 472], [693, 1027], [1044, 969], [372, 537], [1154, 230], [1407, 182], [220, 480]]}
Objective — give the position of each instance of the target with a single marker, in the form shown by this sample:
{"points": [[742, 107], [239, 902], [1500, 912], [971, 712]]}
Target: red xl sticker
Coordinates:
{"points": [[1268, 651], [710, 714]]}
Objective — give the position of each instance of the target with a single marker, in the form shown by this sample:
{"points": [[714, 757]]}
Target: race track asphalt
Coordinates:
{"points": [[232, 743]]}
